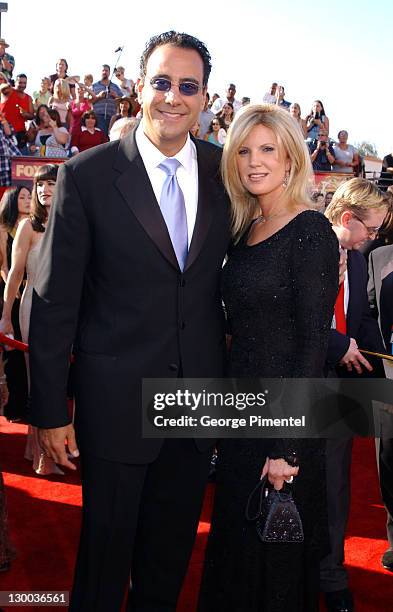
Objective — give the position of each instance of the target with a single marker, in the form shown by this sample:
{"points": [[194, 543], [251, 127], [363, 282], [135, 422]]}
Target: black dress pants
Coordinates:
{"points": [[333, 574], [384, 447], [138, 522]]}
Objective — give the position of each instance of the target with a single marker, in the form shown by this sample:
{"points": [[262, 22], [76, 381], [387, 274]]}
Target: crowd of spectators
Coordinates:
{"points": [[69, 114], [65, 114]]}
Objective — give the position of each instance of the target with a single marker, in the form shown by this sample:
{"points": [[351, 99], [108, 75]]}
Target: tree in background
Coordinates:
{"points": [[366, 148]]}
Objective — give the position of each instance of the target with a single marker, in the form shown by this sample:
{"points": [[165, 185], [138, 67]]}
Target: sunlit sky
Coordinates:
{"points": [[337, 51]]}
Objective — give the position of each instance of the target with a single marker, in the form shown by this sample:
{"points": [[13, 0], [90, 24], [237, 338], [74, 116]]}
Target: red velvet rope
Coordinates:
{"points": [[16, 344], [19, 346]]}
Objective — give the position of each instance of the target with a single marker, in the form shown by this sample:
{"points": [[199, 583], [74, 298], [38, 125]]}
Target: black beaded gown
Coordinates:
{"points": [[279, 296]]}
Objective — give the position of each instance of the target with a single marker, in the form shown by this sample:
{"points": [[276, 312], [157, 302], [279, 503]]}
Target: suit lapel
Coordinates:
{"points": [[134, 185], [207, 187]]}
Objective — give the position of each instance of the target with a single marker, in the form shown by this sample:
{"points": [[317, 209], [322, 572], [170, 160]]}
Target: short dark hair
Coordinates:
{"points": [[87, 115], [22, 75], [177, 39], [106, 66]]}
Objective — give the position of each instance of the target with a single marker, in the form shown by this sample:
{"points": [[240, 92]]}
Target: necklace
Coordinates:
{"points": [[264, 218]]}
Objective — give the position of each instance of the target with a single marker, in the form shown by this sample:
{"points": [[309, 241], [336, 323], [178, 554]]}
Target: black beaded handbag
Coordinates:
{"points": [[277, 518]]}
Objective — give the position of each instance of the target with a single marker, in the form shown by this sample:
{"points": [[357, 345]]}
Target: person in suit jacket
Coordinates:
{"points": [[356, 212], [380, 294], [137, 295]]}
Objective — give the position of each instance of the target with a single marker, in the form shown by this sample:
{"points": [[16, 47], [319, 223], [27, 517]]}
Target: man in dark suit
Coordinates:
{"points": [[356, 212], [380, 294], [129, 275]]}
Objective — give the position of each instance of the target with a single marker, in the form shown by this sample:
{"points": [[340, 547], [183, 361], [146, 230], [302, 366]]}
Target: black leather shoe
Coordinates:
{"points": [[387, 560], [340, 601]]}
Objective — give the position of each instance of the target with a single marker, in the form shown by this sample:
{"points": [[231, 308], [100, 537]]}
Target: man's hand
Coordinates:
{"points": [[354, 359], [53, 441]]}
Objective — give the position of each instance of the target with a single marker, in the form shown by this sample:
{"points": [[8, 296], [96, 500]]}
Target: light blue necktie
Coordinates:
{"points": [[173, 209]]}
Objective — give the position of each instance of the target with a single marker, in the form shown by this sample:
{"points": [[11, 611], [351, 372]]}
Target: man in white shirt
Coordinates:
{"points": [[230, 97], [270, 96], [137, 297]]}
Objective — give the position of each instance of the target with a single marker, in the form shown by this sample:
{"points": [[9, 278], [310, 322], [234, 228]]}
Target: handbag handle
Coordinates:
{"points": [[262, 486]]}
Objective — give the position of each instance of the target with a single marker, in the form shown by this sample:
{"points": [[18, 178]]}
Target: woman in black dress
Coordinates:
{"points": [[279, 288]]}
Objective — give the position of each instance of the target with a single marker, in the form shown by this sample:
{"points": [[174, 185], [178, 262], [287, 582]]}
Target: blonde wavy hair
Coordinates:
{"points": [[359, 196], [64, 89], [290, 141]]}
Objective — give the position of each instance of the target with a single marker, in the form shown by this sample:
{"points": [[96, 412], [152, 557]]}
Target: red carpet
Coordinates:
{"points": [[44, 515]]}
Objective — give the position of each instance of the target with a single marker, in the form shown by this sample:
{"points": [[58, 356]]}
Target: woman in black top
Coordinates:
{"points": [[279, 288]]}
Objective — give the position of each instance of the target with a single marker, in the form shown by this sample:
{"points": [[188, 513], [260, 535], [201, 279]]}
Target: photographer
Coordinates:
{"points": [[322, 154], [316, 120]]}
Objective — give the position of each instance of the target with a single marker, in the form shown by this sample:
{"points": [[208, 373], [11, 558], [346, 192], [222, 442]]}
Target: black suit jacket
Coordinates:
{"points": [[380, 290], [361, 325], [109, 282]]}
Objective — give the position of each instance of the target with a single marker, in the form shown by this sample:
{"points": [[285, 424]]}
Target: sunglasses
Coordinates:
{"points": [[186, 88]]}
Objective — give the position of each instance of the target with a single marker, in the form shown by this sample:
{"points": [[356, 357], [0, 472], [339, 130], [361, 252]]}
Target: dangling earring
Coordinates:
{"points": [[286, 179]]}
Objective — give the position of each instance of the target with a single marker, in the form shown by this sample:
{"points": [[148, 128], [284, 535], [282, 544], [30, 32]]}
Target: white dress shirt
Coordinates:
{"points": [[219, 103], [187, 173]]}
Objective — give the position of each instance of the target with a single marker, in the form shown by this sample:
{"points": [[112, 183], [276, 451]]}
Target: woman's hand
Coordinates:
{"points": [[7, 329], [278, 471], [52, 123]]}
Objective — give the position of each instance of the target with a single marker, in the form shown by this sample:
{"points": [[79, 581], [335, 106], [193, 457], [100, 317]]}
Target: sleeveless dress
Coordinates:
{"points": [[279, 297], [41, 463]]}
